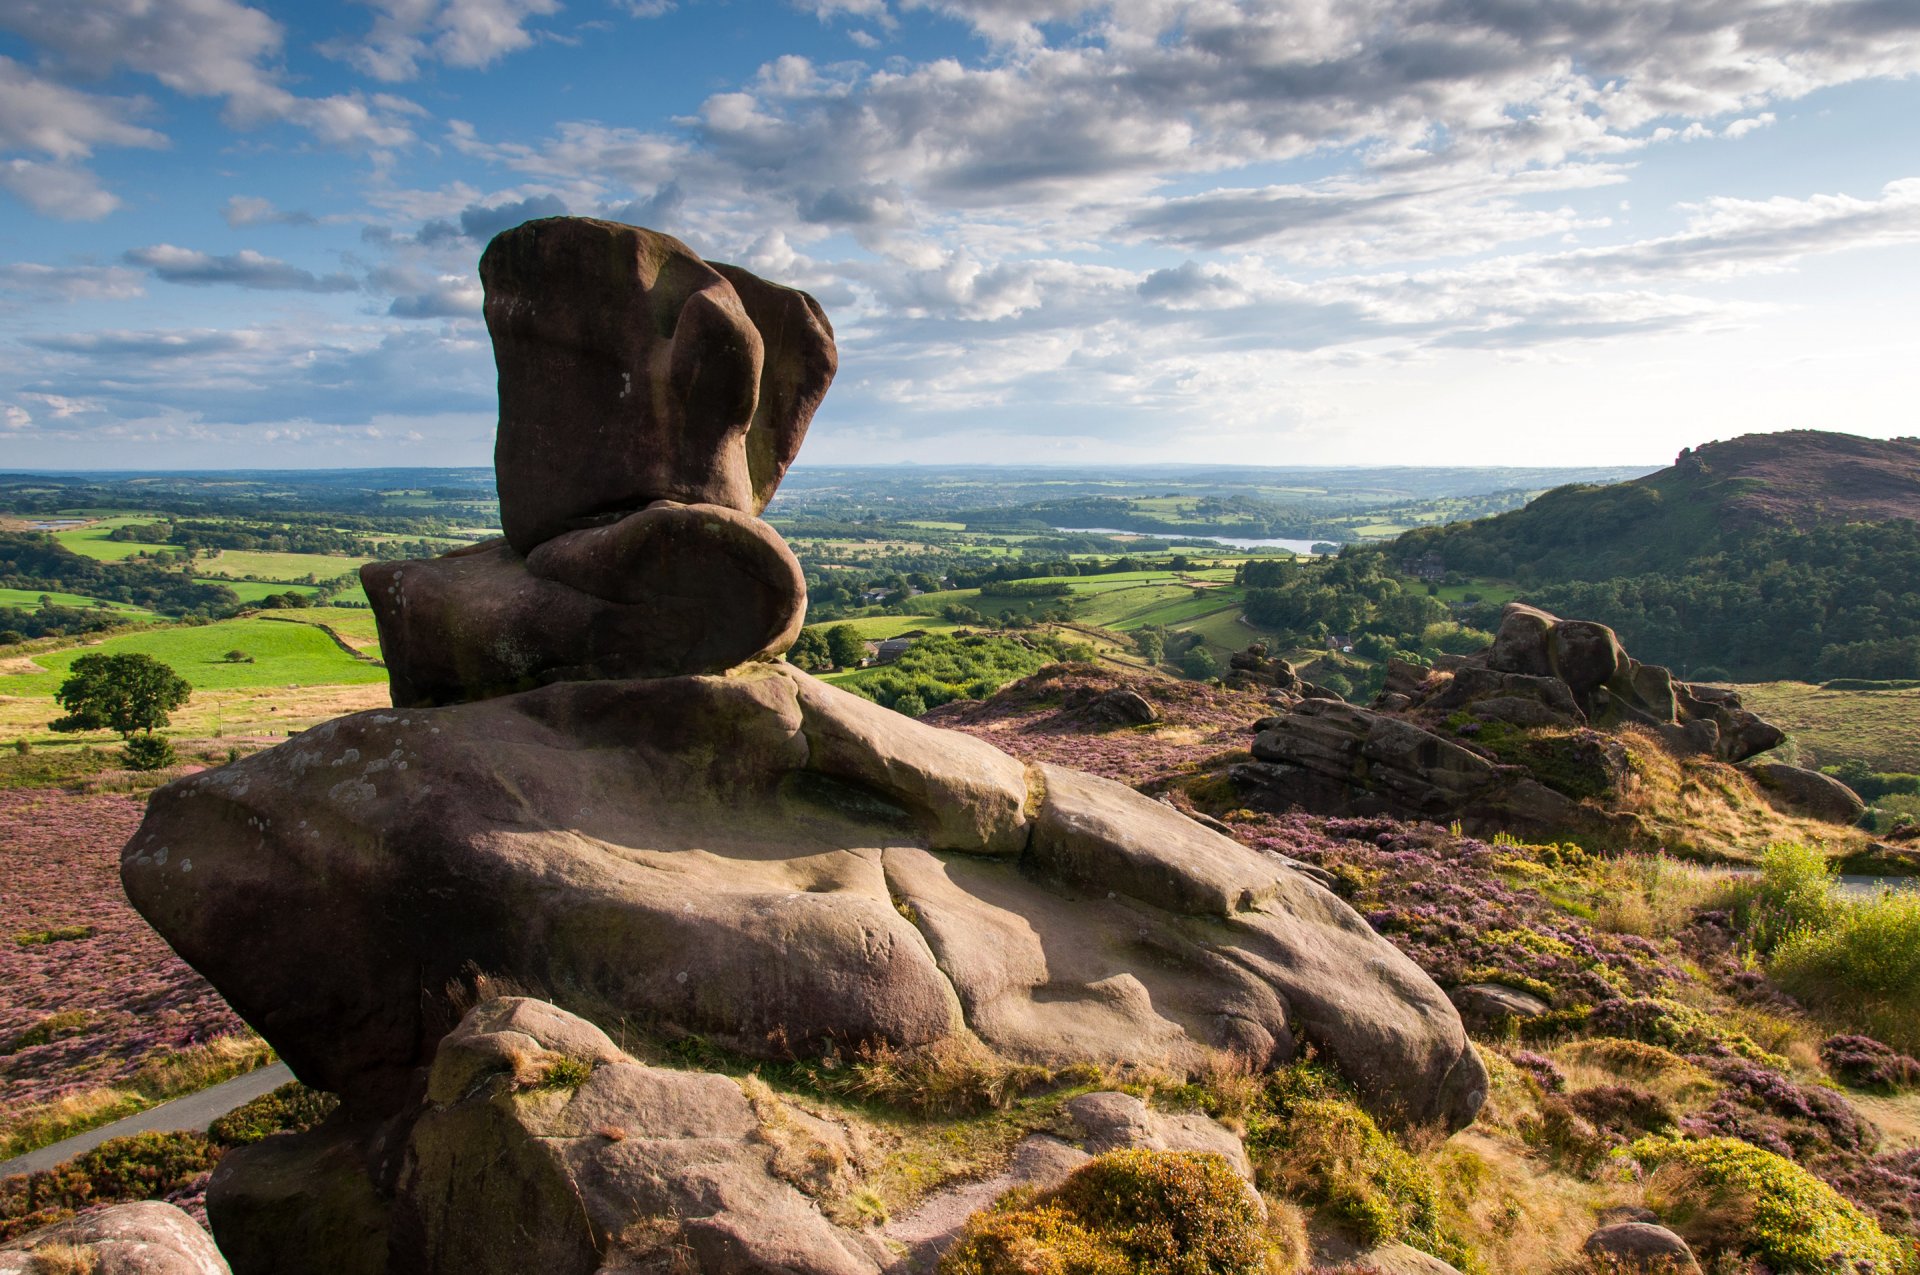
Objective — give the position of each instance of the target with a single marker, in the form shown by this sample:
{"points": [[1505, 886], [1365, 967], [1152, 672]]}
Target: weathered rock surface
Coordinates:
{"points": [[1401, 1259], [1492, 1007], [146, 1238], [1337, 758], [632, 371], [539, 1146], [649, 404], [739, 856], [1417, 752], [1807, 792], [1637, 1247], [1123, 707], [671, 589]]}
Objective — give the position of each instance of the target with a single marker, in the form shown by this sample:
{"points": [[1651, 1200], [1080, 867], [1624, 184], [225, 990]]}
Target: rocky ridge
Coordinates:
{"points": [[1530, 736]]}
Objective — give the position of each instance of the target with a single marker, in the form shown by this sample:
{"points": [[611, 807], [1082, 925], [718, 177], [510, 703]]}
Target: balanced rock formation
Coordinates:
{"points": [[1421, 750], [650, 403], [597, 783]]}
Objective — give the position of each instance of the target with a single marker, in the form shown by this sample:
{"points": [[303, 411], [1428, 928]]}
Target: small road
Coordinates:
{"points": [[191, 1111]]}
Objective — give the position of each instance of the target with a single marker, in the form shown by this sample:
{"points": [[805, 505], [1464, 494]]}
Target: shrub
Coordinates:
{"points": [[150, 752], [292, 1108], [1311, 1142], [1865, 1063], [1862, 963], [1794, 891], [1125, 1213], [143, 1166], [1725, 1194]]}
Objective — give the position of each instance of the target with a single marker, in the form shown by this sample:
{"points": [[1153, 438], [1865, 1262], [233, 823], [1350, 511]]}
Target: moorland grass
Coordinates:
{"points": [[1877, 727]]}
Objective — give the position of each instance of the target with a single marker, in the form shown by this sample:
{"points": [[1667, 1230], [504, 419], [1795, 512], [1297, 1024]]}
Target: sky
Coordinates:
{"points": [[1296, 232]]}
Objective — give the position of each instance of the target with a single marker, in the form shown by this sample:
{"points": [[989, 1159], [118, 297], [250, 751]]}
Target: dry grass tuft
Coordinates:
{"points": [[61, 1258]]}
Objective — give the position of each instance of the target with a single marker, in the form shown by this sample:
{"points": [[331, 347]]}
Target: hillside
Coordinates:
{"points": [[1792, 555], [1800, 480]]}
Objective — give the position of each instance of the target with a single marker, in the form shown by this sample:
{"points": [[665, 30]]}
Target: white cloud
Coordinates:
{"points": [[37, 114], [462, 33], [245, 269], [251, 210], [198, 48], [71, 283], [66, 191]]}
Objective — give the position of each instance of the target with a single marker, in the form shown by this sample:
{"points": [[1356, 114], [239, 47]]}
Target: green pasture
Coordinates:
{"points": [[92, 541], [1880, 728], [876, 628], [254, 590], [355, 624], [283, 655], [1487, 590], [30, 599], [246, 565]]}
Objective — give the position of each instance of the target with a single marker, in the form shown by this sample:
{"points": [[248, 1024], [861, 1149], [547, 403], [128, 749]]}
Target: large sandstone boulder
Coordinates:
{"points": [[649, 404], [145, 1238], [632, 371], [1798, 791], [769, 862], [671, 589], [1337, 758], [539, 1146], [1641, 1248], [1611, 688]]}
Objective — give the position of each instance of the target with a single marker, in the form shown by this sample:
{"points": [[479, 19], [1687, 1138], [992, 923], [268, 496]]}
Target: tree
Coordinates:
{"points": [[1199, 664], [121, 693], [846, 646], [809, 651]]}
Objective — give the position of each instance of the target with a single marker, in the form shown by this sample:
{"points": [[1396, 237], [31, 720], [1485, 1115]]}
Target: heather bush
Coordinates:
{"points": [[291, 1108], [1769, 1109], [1725, 1194], [143, 1166], [1866, 1063], [1681, 1029], [1125, 1213]]}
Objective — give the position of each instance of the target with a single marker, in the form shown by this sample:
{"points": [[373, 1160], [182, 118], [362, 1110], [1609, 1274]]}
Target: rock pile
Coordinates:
{"points": [[1418, 751], [597, 783]]}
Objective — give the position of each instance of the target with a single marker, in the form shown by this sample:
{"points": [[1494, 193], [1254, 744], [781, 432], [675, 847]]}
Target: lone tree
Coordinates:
{"points": [[845, 646], [126, 694]]}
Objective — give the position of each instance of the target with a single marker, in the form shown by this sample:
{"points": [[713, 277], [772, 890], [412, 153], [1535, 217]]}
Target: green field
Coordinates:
{"points": [[240, 564], [93, 543], [30, 598], [874, 628], [283, 654], [1880, 728], [354, 625], [254, 590]]}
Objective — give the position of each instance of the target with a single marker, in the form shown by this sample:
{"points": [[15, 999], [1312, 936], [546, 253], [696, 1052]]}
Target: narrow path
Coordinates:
{"points": [[190, 1111]]}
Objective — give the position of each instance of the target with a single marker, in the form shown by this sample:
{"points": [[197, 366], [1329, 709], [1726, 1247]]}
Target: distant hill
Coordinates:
{"points": [[1791, 555], [1799, 480]]}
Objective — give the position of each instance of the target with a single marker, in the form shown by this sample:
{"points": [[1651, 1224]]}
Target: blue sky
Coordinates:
{"points": [[1311, 231]]}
